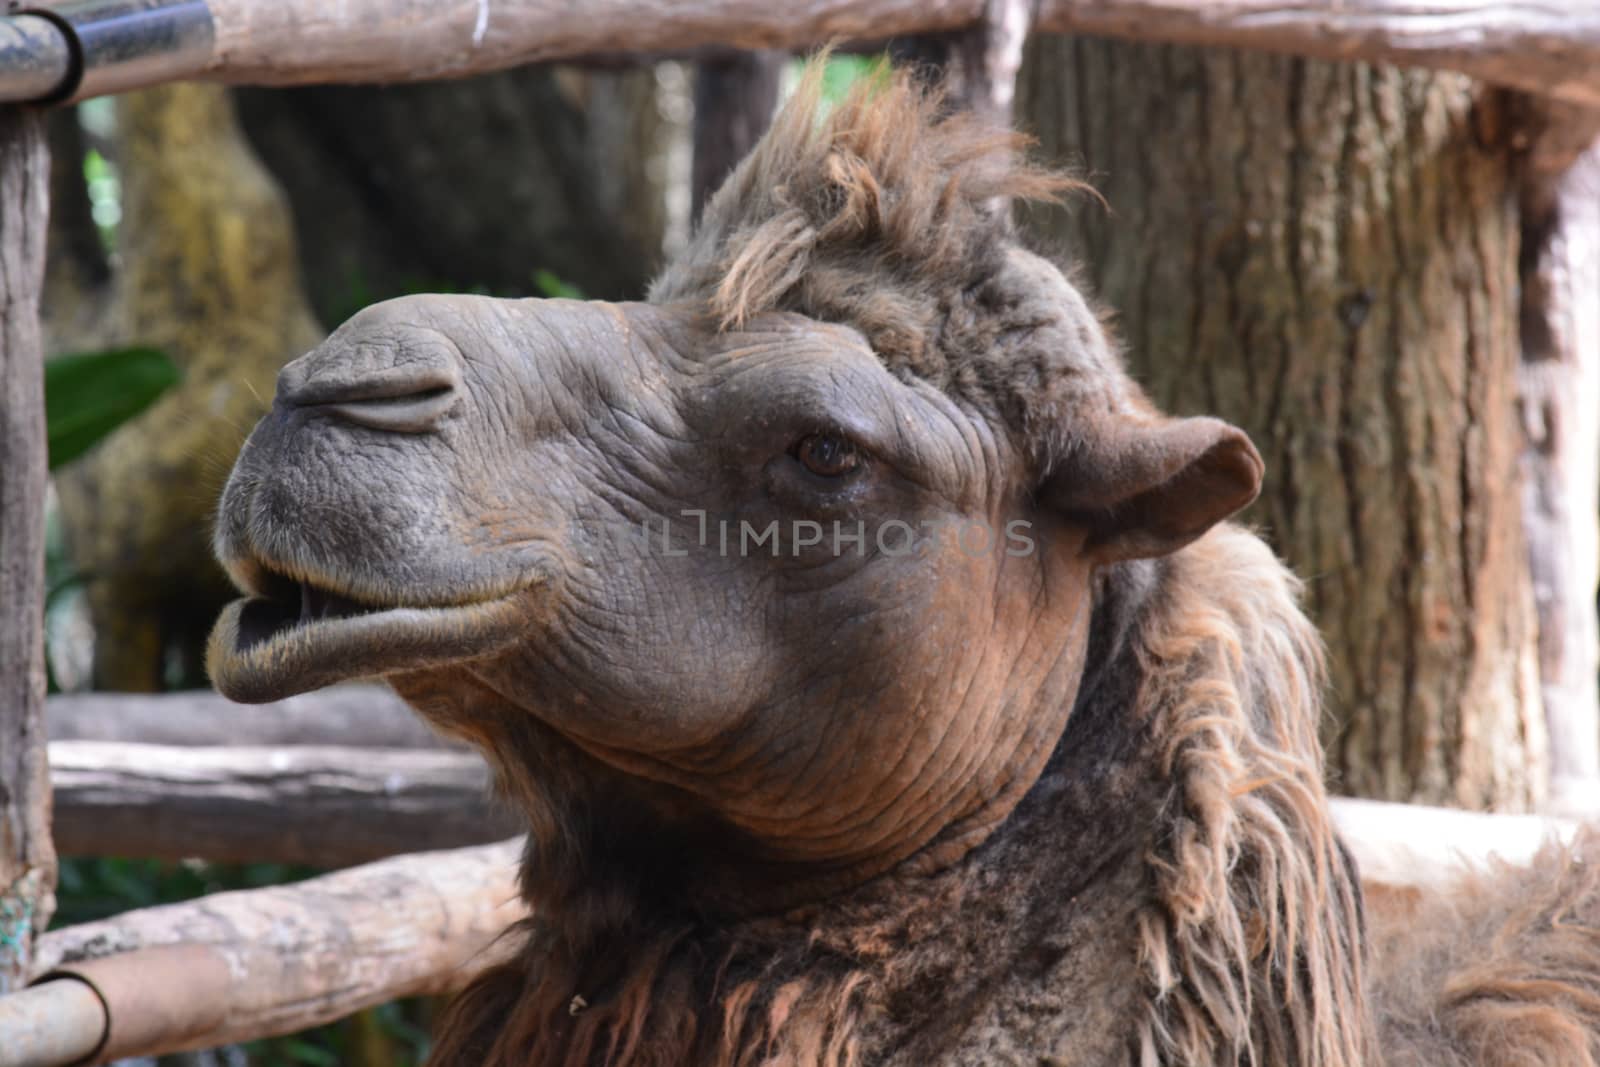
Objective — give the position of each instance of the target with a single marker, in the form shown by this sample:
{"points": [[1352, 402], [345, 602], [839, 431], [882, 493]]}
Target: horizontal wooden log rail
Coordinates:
{"points": [[255, 963], [323, 806], [333, 806], [1541, 47], [1550, 49], [1414, 847], [359, 715]]}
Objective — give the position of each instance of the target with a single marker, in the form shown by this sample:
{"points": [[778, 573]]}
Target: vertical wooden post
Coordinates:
{"points": [[27, 857], [991, 56], [1560, 403], [734, 99]]}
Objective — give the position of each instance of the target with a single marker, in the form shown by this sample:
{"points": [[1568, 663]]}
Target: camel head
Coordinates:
{"points": [[758, 589]]}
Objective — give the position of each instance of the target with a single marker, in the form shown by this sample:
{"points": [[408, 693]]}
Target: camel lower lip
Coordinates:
{"points": [[261, 650]]}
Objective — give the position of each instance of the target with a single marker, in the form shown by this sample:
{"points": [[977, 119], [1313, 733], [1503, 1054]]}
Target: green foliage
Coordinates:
{"points": [[387, 1034], [400, 1020], [841, 73], [291, 1052], [105, 195], [547, 284], [89, 394], [90, 889]]}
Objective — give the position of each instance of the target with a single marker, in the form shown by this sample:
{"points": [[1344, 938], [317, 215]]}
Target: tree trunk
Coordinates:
{"points": [[208, 273], [457, 186], [77, 270], [734, 98], [27, 860], [637, 135], [1326, 254]]}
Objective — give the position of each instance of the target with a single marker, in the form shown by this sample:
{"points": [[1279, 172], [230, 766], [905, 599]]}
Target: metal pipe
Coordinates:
{"points": [[166, 998], [139, 1003], [36, 58], [111, 45], [53, 1024]]}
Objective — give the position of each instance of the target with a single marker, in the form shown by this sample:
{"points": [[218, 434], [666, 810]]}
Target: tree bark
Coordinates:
{"points": [[314, 805], [1560, 405], [1326, 254], [27, 860]]}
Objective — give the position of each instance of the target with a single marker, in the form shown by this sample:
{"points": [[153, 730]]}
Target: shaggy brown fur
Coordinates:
{"points": [[1170, 891], [882, 215], [1502, 971]]}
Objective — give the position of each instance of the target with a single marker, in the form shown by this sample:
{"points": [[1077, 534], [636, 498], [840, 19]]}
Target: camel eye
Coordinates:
{"points": [[828, 455]]}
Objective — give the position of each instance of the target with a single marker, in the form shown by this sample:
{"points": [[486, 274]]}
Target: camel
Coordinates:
{"points": [[877, 670]]}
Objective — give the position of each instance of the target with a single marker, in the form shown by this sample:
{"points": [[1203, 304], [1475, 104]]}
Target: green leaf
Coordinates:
{"points": [[550, 285], [89, 394]]}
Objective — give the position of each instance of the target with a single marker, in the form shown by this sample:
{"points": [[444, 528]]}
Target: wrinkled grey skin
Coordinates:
{"points": [[459, 483]]}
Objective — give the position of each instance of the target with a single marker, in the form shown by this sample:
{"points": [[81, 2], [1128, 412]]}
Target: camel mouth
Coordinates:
{"points": [[292, 635]]}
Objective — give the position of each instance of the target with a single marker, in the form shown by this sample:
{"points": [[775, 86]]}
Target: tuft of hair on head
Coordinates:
{"points": [[863, 213]]}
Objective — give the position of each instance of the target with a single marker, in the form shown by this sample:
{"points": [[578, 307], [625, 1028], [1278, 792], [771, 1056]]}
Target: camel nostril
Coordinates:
{"points": [[413, 412], [395, 399]]}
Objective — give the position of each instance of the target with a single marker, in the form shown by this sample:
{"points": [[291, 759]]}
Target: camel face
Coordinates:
{"points": [[798, 558], [822, 599], [750, 563]]}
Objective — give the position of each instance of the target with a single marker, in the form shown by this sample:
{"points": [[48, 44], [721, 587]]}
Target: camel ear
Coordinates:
{"points": [[1147, 487]]}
